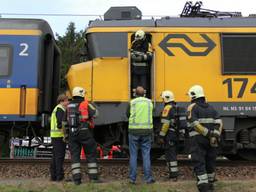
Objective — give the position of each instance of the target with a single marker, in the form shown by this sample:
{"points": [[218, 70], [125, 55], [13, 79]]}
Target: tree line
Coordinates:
{"points": [[71, 44]]}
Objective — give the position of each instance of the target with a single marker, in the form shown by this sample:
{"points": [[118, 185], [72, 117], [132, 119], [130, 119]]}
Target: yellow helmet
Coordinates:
{"points": [[78, 91], [167, 96], [139, 35], [196, 91]]}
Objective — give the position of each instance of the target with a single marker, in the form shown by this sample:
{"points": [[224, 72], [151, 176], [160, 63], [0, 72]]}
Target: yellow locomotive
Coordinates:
{"points": [[217, 53]]}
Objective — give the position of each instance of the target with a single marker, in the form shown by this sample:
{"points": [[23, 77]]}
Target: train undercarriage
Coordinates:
{"points": [[236, 144]]}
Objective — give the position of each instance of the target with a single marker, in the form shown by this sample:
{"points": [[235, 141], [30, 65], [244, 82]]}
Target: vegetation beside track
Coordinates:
{"points": [[37, 185]]}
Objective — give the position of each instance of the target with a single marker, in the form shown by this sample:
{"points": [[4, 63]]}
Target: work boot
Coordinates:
{"points": [[77, 182], [211, 187], [173, 176], [96, 181], [204, 187]]}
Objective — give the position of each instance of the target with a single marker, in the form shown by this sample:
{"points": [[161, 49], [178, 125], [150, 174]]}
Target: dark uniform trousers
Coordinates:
{"points": [[203, 157], [140, 79], [56, 167], [171, 141], [77, 140]]}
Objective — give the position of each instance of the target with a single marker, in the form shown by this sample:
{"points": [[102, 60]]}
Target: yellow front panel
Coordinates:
{"points": [[182, 71], [158, 61], [110, 79], [81, 75], [10, 101]]}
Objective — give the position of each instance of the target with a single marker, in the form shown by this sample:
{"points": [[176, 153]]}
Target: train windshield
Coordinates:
{"points": [[112, 44], [5, 60]]}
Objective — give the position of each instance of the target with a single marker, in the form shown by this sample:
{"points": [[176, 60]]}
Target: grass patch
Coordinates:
{"points": [[181, 186]]}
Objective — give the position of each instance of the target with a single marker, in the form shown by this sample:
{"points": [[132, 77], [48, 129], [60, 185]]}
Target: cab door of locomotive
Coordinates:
{"points": [[141, 65]]}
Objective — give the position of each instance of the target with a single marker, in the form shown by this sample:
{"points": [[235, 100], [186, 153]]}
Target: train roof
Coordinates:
{"points": [[179, 22], [26, 24]]}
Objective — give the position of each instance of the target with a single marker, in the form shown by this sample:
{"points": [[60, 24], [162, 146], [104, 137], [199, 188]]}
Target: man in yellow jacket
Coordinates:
{"points": [[57, 135]]}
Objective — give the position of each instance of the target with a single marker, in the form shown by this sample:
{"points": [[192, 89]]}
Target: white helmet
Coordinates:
{"points": [[167, 96], [78, 91], [139, 35], [196, 91]]}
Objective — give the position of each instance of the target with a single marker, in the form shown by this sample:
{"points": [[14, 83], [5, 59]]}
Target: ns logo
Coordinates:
{"points": [[166, 46]]}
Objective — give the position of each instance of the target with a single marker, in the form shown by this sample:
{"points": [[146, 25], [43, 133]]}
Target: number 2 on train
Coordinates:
{"points": [[24, 50]]}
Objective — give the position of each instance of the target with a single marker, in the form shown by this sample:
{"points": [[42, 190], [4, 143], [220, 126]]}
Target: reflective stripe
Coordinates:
{"points": [[193, 133], [218, 121], [183, 118], [83, 116], [211, 176], [216, 132], [173, 163], [199, 127], [206, 120], [205, 131], [165, 121], [139, 124], [162, 133], [194, 123], [171, 129], [76, 171], [76, 165], [92, 165], [202, 179], [92, 171], [142, 64], [56, 131], [72, 104], [174, 169]]}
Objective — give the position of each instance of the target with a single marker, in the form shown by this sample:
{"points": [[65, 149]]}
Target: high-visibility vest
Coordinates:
{"points": [[141, 110], [55, 132]]}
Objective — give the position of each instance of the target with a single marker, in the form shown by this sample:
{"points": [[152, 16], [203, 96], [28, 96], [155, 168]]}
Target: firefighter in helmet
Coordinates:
{"points": [[205, 127], [79, 113], [168, 135], [141, 57]]}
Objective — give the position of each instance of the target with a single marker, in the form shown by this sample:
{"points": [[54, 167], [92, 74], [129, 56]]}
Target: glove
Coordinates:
{"points": [[214, 142], [160, 140], [216, 133], [213, 133], [214, 137]]}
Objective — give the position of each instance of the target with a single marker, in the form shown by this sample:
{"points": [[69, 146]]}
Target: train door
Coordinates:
{"points": [[141, 65]]}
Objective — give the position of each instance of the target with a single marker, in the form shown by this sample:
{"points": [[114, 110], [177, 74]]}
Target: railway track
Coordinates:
{"points": [[118, 169], [125, 161]]}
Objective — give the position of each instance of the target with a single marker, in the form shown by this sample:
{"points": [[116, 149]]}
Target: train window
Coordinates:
{"points": [[238, 53], [5, 60], [107, 44]]}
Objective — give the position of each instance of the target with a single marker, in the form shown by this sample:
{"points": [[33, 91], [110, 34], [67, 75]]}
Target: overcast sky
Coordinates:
{"points": [[99, 7]]}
